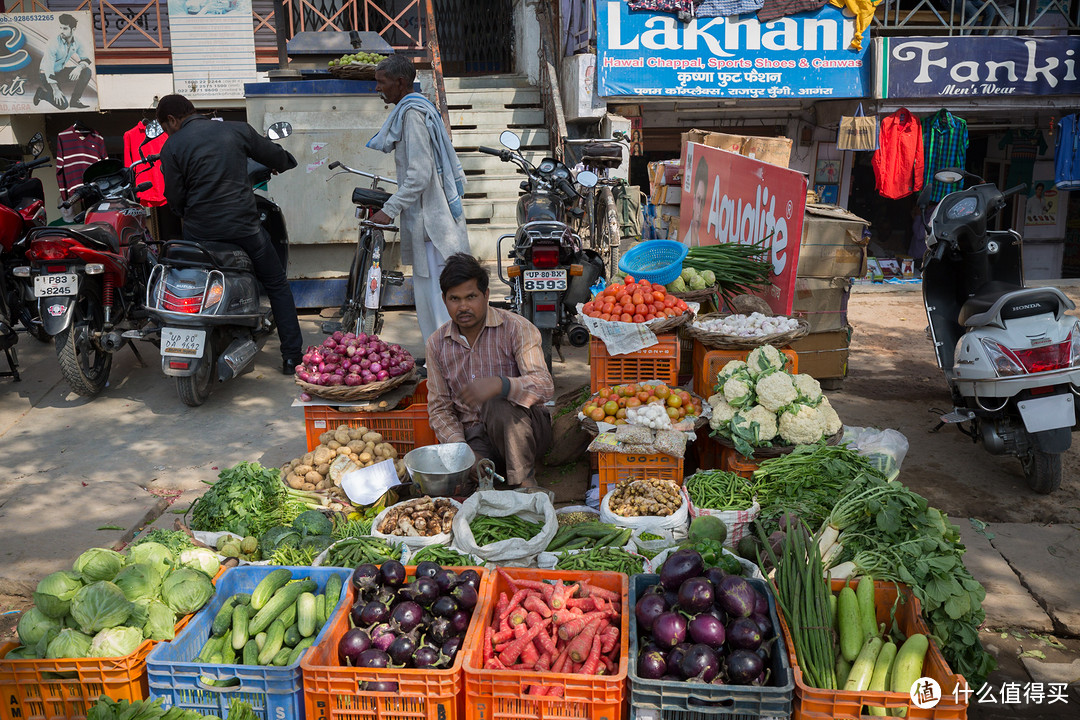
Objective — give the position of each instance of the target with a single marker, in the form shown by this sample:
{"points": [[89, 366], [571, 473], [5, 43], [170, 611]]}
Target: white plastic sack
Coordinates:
{"points": [[750, 570], [548, 560], [210, 539], [651, 547], [412, 542], [676, 523], [320, 559], [532, 507], [737, 521]]}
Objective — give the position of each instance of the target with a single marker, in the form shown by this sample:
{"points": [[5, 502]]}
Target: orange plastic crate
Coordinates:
{"points": [[502, 694], [707, 363], [817, 704], [658, 362], [332, 691], [708, 453], [404, 429], [616, 467], [686, 360], [732, 461]]}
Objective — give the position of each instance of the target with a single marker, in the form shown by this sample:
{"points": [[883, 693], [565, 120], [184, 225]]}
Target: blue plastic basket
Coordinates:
{"points": [[658, 261], [275, 693], [698, 701]]}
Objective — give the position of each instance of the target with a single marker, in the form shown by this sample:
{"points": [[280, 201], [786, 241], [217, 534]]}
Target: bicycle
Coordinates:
{"points": [[361, 311], [599, 226]]}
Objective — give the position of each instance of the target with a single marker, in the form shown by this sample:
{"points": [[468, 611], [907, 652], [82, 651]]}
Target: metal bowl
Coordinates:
{"points": [[440, 470]]}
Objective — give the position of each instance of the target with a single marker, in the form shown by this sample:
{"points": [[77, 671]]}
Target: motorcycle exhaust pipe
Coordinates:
{"points": [[577, 334], [112, 342], [237, 359]]}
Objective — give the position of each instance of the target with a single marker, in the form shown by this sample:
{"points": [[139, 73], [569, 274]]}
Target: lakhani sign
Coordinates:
{"points": [[651, 54], [975, 66]]}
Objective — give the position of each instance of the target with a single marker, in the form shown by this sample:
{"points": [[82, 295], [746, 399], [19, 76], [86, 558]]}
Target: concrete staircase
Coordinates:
{"points": [[480, 109]]}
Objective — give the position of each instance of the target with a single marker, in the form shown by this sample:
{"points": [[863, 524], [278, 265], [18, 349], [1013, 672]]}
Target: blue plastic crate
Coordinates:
{"points": [[668, 700], [275, 693], [658, 261]]}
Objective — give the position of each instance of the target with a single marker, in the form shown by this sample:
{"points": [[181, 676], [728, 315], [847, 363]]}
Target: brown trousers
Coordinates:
{"points": [[513, 437]]}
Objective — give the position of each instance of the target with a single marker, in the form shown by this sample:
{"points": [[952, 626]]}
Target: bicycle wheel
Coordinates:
{"points": [[352, 310], [610, 231]]}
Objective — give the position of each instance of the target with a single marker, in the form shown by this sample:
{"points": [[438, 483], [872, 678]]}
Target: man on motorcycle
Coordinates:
{"points": [[430, 186], [205, 165], [487, 379]]}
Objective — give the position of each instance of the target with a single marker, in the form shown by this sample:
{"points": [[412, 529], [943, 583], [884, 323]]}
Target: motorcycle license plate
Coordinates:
{"points": [[55, 285], [182, 343], [542, 280], [1048, 413]]}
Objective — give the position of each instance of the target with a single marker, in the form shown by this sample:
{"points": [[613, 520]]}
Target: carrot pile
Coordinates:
{"points": [[553, 627]]}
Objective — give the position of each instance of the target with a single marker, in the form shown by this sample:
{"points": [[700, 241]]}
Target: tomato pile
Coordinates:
{"points": [[635, 301], [609, 404]]}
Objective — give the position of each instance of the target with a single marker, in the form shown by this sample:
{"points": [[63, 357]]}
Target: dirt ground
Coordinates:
{"points": [[893, 381]]}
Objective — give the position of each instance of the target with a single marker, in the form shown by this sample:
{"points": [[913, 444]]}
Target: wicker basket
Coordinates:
{"points": [[670, 324], [764, 453], [716, 341], [344, 393], [699, 296], [354, 71]]}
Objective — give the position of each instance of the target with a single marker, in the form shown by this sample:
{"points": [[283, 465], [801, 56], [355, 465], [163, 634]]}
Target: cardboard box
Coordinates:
{"points": [[771, 150], [666, 195], [832, 243], [665, 172], [824, 354], [822, 302]]}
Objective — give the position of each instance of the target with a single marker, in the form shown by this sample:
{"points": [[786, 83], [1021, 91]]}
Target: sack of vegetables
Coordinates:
{"points": [[647, 504], [418, 522], [505, 527]]}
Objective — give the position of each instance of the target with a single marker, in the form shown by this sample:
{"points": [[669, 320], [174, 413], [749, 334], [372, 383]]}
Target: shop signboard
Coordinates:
{"points": [[970, 66], [807, 55], [213, 47], [730, 198], [48, 63]]}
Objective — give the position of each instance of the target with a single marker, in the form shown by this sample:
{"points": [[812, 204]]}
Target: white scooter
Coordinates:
{"points": [[1010, 354]]}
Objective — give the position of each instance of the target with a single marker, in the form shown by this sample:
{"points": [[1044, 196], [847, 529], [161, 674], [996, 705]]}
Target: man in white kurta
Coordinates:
{"points": [[428, 203]]}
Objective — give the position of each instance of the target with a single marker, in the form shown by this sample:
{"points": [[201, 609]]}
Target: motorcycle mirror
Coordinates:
{"points": [[587, 178], [510, 140], [36, 146], [279, 130], [153, 129], [948, 176]]}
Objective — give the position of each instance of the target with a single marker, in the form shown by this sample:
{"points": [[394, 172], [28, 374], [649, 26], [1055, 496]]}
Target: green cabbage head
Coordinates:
{"points": [[69, 644], [99, 564], [139, 582], [33, 625], [54, 592], [99, 606], [152, 553], [186, 590], [201, 559], [160, 622], [115, 642]]}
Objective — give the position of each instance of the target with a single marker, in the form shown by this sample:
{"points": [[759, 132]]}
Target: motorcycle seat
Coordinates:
{"points": [[1010, 302], [225, 256], [601, 154], [366, 197], [99, 233]]}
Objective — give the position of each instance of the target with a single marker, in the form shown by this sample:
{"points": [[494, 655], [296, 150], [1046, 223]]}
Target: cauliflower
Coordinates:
{"points": [[832, 420], [733, 368], [738, 393], [809, 388], [775, 390], [766, 423], [722, 412], [802, 425], [763, 359]]}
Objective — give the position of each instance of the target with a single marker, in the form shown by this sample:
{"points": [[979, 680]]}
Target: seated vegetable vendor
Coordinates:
{"points": [[487, 379]]}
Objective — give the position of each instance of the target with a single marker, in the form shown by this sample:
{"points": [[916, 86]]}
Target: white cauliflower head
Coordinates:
{"points": [[833, 424], [802, 425], [766, 423], [763, 359], [775, 390], [809, 388], [730, 370], [721, 414], [738, 393]]}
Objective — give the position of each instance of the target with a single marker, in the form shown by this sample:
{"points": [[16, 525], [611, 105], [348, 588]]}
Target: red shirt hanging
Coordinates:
{"points": [[898, 161], [133, 139]]}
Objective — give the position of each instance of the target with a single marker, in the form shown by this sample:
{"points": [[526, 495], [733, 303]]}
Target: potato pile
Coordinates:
{"points": [[635, 497], [339, 452], [420, 517]]}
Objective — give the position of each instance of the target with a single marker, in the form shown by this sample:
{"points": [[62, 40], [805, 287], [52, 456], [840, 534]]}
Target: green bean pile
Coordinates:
{"points": [[719, 490], [444, 556], [738, 268], [351, 552], [602, 559], [487, 530]]}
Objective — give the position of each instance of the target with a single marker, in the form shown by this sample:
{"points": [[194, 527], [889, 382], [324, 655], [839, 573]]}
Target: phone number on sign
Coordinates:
{"points": [[23, 19]]}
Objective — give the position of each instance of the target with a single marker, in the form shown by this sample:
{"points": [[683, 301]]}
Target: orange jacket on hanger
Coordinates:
{"points": [[898, 161]]}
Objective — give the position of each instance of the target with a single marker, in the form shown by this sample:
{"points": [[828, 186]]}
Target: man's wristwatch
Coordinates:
{"points": [[505, 386]]}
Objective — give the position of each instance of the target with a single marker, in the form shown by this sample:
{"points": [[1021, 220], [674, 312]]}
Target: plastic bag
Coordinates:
{"points": [[737, 521], [676, 523], [886, 449], [750, 570], [651, 548], [320, 559], [671, 442], [411, 541], [210, 539], [652, 416], [532, 507], [633, 434]]}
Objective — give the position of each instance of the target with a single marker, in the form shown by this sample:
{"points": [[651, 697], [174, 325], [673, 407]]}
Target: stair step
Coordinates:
{"points": [[472, 160], [486, 81], [494, 185], [483, 239], [496, 120], [494, 211], [533, 138], [493, 98]]}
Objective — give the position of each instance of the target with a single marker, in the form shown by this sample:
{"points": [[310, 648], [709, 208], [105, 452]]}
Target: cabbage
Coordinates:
{"points": [[201, 559], [115, 642], [152, 553], [186, 590], [22, 653], [160, 622], [139, 613], [69, 644], [43, 644], [100, 606], [34, 624], [99, 564], [139, 582], [54, 593]]}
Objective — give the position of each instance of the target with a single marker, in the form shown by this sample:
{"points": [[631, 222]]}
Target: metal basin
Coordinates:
{"points": [[439, 470]]}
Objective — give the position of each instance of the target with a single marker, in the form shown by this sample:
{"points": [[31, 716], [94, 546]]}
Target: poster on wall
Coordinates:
{"points": [[1041, 209], [213, 47], [655, 54], [729, 198], [48, 63]]}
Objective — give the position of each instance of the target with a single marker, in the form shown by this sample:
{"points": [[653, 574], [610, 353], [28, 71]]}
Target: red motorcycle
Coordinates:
{"points": [[90, 279]]}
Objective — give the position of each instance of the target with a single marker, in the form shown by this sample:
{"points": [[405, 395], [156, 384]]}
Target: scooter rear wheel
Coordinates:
{"points": [[1042, 471], [83, 364], [193, 390]]}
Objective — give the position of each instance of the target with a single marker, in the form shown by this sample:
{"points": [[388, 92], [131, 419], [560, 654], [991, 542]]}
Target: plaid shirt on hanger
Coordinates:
{"points": [[945, 145]]}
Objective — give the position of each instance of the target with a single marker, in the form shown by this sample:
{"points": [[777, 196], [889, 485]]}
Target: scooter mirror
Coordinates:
{"points": [[153, 129], [587, 178], [510, 140], [279, 130], [948, 176], [36, 146]]}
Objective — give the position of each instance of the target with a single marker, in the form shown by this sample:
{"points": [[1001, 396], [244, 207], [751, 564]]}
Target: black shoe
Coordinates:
{"points": [[78, 104], [288, 366], [38, 96]]}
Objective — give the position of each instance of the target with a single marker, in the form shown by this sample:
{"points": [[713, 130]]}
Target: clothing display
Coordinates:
{"points": [[898, 161], [1067, 154], [863, 10], [776, 9], [136, 147], [723, 8], [1027, 146], [683, 8], [945, 145], [77, 148]]}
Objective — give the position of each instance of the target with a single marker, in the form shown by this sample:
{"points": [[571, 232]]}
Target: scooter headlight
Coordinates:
{"points": [[1005, 364]]}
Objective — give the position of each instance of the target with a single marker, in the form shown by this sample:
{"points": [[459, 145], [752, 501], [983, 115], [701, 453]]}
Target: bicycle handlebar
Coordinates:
{"points": [[353, 171], [377, 226]]}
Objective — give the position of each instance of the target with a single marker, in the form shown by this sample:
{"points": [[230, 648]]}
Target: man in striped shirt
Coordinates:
{"points": [[487, 379]]}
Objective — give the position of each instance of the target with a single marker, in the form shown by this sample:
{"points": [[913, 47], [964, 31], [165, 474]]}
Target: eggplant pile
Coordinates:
{"points": [[703, 625], [408, 624]]}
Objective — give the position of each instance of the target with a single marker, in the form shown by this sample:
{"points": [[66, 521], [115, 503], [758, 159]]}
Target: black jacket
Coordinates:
{"points": [[206, 176]]}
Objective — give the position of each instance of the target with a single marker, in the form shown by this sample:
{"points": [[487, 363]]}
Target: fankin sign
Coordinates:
{"points": [[47, 63], [729, 198]]}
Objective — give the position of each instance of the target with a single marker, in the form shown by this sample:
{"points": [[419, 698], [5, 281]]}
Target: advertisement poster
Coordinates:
{"points": [[213, 47], [656, 54], [729, 198], [48, 63], [1041, 208]]}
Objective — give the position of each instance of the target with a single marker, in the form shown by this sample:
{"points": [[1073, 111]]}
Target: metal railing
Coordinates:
{"points": [[549, 83], [975, 17]]}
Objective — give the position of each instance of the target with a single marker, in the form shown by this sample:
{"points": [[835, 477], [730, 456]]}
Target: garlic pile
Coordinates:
{"points": [[752, 325], [652, 415]]}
